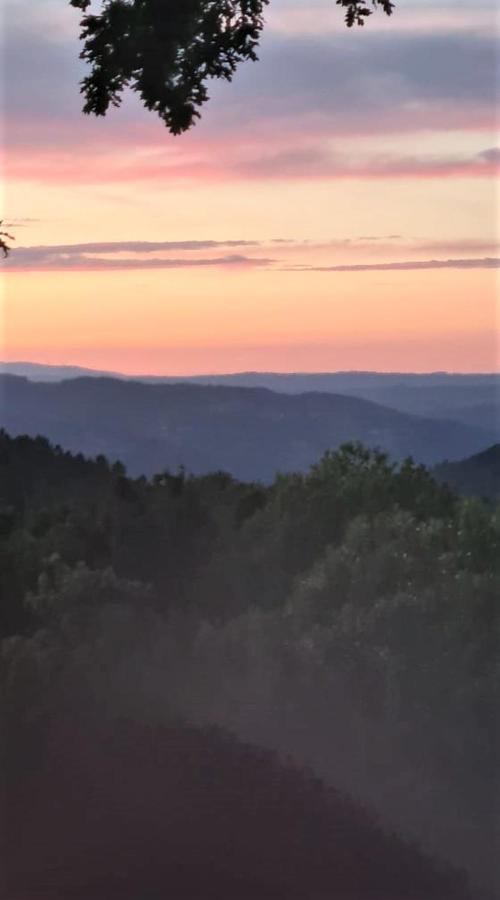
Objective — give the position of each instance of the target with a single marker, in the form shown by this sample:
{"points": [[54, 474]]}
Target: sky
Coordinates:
{"points": [[336, 207]]}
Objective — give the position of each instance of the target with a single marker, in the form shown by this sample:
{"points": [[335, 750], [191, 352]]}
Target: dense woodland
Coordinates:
{"points": [[346, 618]]}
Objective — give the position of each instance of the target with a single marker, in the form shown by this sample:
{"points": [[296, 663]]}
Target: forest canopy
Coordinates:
{"points": [[348, 616]]}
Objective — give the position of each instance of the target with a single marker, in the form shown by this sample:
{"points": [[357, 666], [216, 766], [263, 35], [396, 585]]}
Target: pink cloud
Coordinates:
{"points": [[328, 88], [237, 160]]}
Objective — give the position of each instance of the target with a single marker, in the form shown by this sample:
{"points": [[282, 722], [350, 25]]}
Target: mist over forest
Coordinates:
{"points": [[230, 689]]}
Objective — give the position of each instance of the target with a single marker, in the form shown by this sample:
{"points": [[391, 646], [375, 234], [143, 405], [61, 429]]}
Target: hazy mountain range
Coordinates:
{"points": [[470, 399], [250, 432]]}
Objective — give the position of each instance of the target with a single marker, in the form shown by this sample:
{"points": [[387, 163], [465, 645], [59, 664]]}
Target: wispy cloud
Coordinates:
{"points": [[123, 255], [484, 263], [112, 247], [21, 222], [397, 243], [69, 257], [462, 246], [315, 162], [267, 159]]}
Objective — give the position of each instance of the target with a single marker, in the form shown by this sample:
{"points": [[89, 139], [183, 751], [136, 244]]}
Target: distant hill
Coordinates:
{"points": [[42, 372], [285, 382], [249, 432], [479, 475], [470, 399]]}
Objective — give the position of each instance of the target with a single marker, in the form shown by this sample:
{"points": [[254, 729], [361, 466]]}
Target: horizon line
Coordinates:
{"points": [[112, 373]]}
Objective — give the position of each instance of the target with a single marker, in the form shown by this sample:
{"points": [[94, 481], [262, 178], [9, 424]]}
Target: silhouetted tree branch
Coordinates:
{"points": [[166, 50], [4, 237]]}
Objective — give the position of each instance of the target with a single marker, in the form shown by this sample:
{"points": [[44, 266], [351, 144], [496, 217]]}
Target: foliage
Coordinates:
{"points": [[358, 10], [4, 237], [167, 50], [348, 616]]}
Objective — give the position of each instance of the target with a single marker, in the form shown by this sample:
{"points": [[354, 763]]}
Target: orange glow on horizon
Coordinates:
{"points": [[204, 321], [277, 178]]}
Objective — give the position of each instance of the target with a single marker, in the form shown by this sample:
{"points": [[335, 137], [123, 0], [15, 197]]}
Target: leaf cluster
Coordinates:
{"points": [[167, 50], [358, 10]]}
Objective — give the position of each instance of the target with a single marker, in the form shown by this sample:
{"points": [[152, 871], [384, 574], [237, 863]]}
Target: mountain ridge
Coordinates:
{"points": [[250, 432], [56, 370], [472, 399]]}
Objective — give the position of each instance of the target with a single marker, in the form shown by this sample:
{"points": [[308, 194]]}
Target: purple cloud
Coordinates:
{"points": [[368, 82], [484, 263], [132, 247], [315, 162], [70, 258], [490, 156]]}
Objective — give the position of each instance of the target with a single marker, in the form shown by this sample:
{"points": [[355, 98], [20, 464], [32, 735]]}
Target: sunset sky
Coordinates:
{"points": [[336, 208]]}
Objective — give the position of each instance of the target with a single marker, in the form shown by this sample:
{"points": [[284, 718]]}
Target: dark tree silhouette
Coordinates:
{"points": [[4, 237], [167, 50]]}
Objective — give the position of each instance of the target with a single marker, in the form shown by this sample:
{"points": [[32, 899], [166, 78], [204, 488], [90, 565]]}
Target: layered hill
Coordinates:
{"points": [[472, 399], [478, 475], [250, 432]]}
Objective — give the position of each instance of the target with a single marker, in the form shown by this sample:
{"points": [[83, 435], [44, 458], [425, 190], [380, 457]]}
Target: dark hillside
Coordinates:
{"points": [[128, 811], [479, 475]]}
